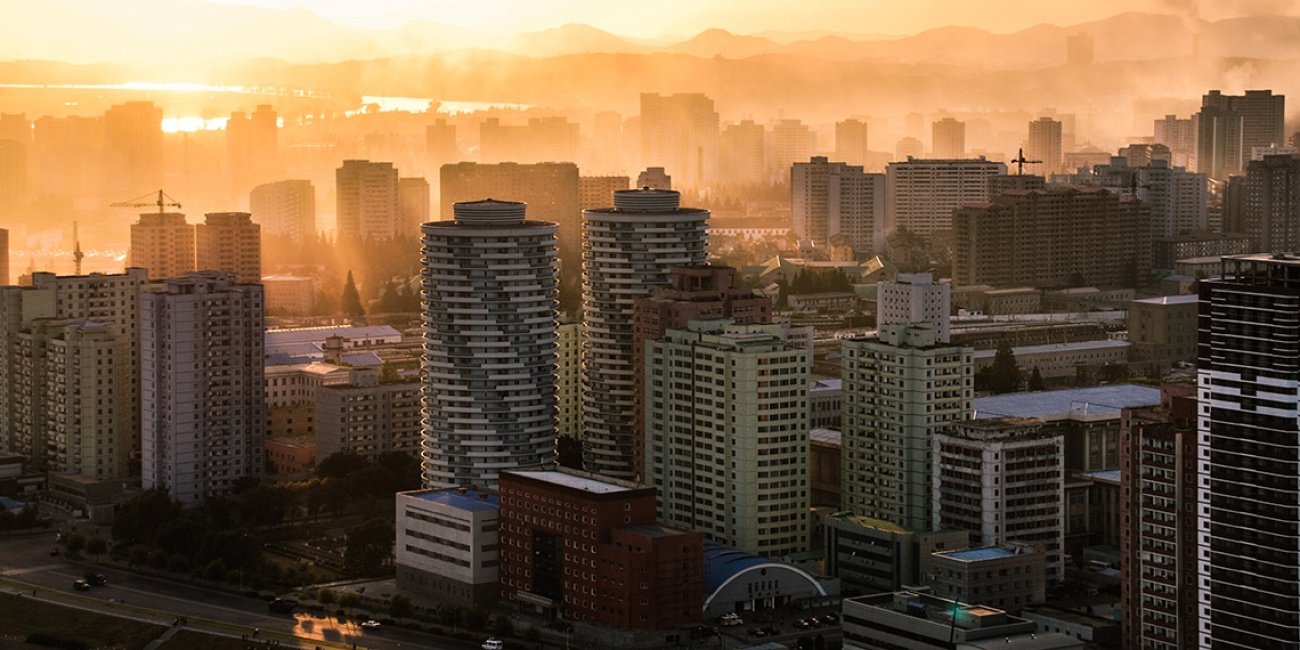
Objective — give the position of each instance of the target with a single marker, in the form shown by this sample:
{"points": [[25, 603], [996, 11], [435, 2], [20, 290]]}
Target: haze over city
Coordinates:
{"points": [[864, 324]]}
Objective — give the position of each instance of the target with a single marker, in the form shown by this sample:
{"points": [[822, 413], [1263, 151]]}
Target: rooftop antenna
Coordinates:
{"points": [[1020, 162]]}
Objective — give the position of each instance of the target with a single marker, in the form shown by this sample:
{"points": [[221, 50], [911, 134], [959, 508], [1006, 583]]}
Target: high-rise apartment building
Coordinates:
{"points": [[920, 195], [489, 363], [948, 138], [551, 191], [695, 293], [1158, 537], [791, 142], [133, 142], [1178, 199], [1248, 478], [1069, 237], [367, 200], [568, 383], [286, 209], [4, 257], [726, 422], [82, 312], [900, 387], [851, 142], [1230, 126], [543, 139], [1044, 145], [163, 245], [908, 148], [412, 205], [680, 133], [252, 147], [838, 204], [744, 153], [598, 191], [231, 243], [915, 298], [14, 164], [1179, 134], [440, 143], [628, 251], [202, 395], [1272, 210], [1003, 479]]}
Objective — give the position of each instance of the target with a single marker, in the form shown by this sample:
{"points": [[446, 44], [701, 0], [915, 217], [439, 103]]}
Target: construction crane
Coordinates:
{"points": [[77, 254], [1020, 162], [162, 201]]}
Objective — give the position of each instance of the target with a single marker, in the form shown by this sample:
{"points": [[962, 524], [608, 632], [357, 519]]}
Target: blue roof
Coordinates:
{"points": [[978, 554], [9, 504], [1100, 401], [721, 563], [472, 500]]}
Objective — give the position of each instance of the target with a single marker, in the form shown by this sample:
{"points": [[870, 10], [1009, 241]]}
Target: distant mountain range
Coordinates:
{"points": [[185, 33]]}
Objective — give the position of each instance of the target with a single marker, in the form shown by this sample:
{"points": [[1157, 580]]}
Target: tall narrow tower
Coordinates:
{"points": [[627, 251], [490, 321]]}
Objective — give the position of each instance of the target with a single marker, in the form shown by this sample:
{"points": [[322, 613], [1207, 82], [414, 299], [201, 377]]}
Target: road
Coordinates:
{"points": [[26, 565]]}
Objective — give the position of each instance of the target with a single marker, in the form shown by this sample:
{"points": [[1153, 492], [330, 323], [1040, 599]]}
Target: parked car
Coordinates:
{"points": [[757, 632], [371, 624], [494, 644], [54, 551], [96, 579], [81, 585], [802, 624], [771, 631], [731, 619], [831, 619]]}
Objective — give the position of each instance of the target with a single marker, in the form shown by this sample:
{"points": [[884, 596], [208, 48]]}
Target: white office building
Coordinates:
{"points": [[490, 322], [914, 298], [447, 545]]}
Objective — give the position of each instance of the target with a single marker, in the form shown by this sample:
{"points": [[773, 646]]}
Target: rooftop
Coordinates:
{"points": [[1096, 402], [982, 553], [1050, 348], [1171, 300], [828, 436], [469, 500], [1108, 476], [578, 481]]}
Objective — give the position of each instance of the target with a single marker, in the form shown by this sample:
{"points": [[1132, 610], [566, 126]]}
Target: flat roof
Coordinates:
{"points": [[576, 481], [1104, 401], [471, 500], [829, 436], [978, 554], [1171, 300], [826, 385], [1108, 475], [1049, 348]]}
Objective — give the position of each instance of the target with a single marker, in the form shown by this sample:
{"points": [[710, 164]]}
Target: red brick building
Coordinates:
{"points": [[1158, 502], [587, 548], [696, 293]]}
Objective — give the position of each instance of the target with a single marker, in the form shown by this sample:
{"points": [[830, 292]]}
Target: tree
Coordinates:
{"points": [[400, 607], [158, 558], [326, 597], [448, 614], [74, 543], [341, 464], [1004, 374], [215, 571], [139, 556], [177, 563], [96, 546], [369, 546], [349, 600], [1036, 380], [503, 626], [351, 301], [476, 619]]}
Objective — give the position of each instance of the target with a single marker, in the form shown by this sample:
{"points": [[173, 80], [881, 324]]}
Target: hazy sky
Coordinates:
{"points": [[678, 17]]}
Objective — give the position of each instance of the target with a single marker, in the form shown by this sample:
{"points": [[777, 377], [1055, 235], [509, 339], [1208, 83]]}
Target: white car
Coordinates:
{"points": [[494, 644], [371, 624], [729, 620]]}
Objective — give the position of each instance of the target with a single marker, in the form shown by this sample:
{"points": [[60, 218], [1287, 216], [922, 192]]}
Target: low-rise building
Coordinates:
{"points": [[1015, 300], [825, 448], [828, 301], [1008, 576], [447, 545], [1162, 330], [825, 400], [1087, 628], [290, 458], [735, 581], [909, 620], [871, 555], [1061, 360], [368, 416], [289, 295]]}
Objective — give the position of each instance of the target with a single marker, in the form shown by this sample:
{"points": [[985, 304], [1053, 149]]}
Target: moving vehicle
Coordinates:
{"points": [[731, 619], [282, 606], [81, 585], [371, 624], [95, 579], [494, 644]]}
